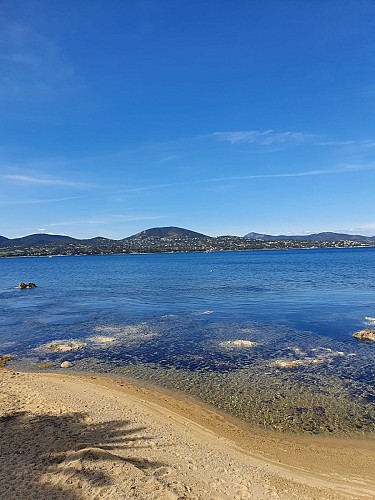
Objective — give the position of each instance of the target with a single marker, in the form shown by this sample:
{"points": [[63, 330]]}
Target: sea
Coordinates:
{"points": [[265, 336]]}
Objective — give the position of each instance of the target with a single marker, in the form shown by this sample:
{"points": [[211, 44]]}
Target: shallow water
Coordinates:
{"points": [[171, 319]]}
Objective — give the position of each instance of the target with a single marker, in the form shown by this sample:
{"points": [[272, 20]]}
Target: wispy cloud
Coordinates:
{"points": [[21, 201], [168, 158], [337, 170], [39, 181], [106, 219], [336, 143], [340, 169], [264, 138], [272, 138], [365, 143], [365, 229], [152, 187]]}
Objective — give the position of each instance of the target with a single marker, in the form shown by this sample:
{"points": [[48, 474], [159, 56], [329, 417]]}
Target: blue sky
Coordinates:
{"points": [[219, 116]]}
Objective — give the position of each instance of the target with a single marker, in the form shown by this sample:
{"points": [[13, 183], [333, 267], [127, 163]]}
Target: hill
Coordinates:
{"points": [[167, 232], [172, 239], [4, 241], [38, 240], [327, 236]]}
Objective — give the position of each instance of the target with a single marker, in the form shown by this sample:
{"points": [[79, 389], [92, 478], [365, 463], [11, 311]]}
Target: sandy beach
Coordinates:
{"points": [[89, 437]]}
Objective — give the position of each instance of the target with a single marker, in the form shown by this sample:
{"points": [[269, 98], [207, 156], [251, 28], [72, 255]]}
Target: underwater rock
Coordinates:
{"points": [[317, 356], [64, 345], [366, 334], [66, 364], [26, 285], [5, 359], [127, 333], [102, 339], [237, 343], [293, 363], [370, 319]]}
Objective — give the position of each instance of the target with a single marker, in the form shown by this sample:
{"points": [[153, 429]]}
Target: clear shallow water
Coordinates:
{"points": [[172, 317]]}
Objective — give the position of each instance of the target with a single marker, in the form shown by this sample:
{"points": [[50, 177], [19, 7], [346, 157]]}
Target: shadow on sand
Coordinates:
{"points": [[67, 456]]}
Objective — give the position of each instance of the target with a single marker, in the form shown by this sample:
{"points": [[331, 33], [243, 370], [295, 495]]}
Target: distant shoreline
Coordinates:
{"points": [[173, 239], [190, 252]]}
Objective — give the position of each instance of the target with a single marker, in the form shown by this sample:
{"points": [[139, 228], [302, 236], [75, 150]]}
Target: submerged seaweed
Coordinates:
{"points": [[276, 378]]}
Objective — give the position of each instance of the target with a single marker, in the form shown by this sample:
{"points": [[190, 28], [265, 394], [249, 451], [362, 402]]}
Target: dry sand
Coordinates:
{"points": [[89, 437]]}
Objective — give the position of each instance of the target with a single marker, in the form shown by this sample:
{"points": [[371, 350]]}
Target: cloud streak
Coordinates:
{"points": [[263, 138], [38, 181], [288, 138], [111, 218], [340, 169], [365, 143], [37, 201]]}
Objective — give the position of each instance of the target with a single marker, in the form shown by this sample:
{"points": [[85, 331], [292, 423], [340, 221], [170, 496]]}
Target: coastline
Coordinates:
{"points": [[190, 251], [141, 442]]}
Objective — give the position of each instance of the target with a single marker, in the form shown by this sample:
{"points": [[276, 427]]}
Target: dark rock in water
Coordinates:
{"points": [[366, 334], [27, 285]]}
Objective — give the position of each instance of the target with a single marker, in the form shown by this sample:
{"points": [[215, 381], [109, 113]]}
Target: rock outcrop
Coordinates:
{"points": [[5, 359], [64, 345], [66, 364], [366, 334], [237, 343], [26, 285]]}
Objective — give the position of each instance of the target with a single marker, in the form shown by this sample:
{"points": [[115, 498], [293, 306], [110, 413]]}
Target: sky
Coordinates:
{"points": [[220, 116]]}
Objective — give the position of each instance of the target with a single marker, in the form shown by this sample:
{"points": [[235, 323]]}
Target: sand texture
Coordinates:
{"points": [[79, 437]]}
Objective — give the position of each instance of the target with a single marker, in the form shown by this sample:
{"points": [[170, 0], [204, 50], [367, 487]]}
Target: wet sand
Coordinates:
{"points": [[85, 437]]}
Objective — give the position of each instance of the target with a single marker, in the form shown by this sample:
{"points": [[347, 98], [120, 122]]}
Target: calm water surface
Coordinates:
{"points": [[172, 319]]}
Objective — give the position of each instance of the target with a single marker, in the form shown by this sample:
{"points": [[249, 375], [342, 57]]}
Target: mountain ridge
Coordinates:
{"points": [[323, 236], [172, 232], [171, 239], [50, 239], [167, 232]]}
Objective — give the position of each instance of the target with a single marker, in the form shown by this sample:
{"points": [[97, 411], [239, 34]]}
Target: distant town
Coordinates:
{"points": [[172, 239]]}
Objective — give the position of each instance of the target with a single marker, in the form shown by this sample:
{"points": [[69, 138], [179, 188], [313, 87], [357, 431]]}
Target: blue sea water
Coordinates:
{"points": [[172, 320]]}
